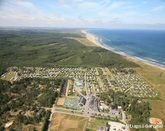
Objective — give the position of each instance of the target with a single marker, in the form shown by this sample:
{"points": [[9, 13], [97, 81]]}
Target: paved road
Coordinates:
{"points": [[70, 113], [88, 113], [84, 111]]}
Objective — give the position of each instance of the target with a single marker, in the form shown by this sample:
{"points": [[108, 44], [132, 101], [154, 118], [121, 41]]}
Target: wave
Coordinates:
{"points": [[101, 43], [151, 61]]}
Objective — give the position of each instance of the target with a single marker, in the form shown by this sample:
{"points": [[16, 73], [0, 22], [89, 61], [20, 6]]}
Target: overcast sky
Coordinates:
{"points": [[83, 13]]}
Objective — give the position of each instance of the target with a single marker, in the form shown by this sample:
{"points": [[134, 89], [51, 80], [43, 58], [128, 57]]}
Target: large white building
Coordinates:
{"points": [[116, 126], [113, 126]]}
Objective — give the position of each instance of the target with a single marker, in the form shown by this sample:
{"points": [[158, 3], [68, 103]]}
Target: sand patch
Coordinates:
{"points": [[60, 101]]}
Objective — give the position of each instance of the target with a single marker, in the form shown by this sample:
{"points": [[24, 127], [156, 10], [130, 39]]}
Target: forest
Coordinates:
{"points": [[138, 109], [27, 101], [52, 48]]}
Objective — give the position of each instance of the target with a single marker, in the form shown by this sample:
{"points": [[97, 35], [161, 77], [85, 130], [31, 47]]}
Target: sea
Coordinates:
{"points": [[147, 45]]}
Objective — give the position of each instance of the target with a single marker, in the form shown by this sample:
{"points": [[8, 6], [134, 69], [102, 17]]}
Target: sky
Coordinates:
{"points": [[83, 13]]}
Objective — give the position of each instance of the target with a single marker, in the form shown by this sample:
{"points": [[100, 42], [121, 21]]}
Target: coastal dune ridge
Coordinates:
{"points": [[98, 42]]}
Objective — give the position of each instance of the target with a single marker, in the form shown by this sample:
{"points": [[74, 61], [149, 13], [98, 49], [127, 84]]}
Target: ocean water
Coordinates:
{"points": [[148, 45]]}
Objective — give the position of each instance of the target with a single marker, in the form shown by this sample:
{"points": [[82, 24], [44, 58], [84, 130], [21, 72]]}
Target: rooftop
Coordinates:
{"points": [[155, 120], [116, 126]]}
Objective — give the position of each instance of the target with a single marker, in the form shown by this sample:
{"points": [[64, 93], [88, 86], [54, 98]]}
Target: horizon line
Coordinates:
{"points": [[65, 27]]}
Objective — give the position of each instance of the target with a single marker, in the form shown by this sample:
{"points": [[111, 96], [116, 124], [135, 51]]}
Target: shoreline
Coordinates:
{"points": [[94, 39]]}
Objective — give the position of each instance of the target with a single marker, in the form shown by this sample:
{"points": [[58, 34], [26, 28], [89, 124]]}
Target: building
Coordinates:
{"points": [[82, 101], [113, 126], [155, 121], [116, 126], [103, 106], [63, 88], [94, 103], [113, 83]]}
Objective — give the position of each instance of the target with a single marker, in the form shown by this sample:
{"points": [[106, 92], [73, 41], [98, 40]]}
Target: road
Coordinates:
{"points": [[85, 111]]}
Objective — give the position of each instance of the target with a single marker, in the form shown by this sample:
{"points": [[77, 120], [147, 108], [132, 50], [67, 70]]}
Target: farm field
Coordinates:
{"points": [[63, 122]]}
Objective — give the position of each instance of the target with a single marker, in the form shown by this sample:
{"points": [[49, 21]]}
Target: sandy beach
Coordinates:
{"points": [[92, 38]]}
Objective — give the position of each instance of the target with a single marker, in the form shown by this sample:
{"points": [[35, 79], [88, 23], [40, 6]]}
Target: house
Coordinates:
{"points": [[103, 106], [116, 126], [155, 121]]}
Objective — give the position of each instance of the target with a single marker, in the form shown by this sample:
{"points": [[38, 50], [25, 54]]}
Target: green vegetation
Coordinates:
{"points": [[96, 123], [2, 68], [155, 77], [27, 101], [48, 48], [46, 122], [139, 109]]}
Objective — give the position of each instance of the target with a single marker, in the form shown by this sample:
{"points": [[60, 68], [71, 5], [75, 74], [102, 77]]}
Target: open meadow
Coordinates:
{"points": [[64, 122]]}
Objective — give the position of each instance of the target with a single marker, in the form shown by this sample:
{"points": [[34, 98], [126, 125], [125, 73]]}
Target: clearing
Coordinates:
{"points": [[64, 122]]}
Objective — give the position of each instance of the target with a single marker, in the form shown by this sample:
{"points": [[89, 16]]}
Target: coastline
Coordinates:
{"points": [[90, 37], [95, 40]]}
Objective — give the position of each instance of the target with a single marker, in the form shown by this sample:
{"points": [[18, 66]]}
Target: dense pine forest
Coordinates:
{"points": [[52, 48]]}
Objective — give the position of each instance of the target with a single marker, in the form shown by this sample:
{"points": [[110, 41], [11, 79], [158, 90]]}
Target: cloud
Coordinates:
{"points": [[159, 8], [20, 6], [23, 13], [72, 13], [18, 12]]}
